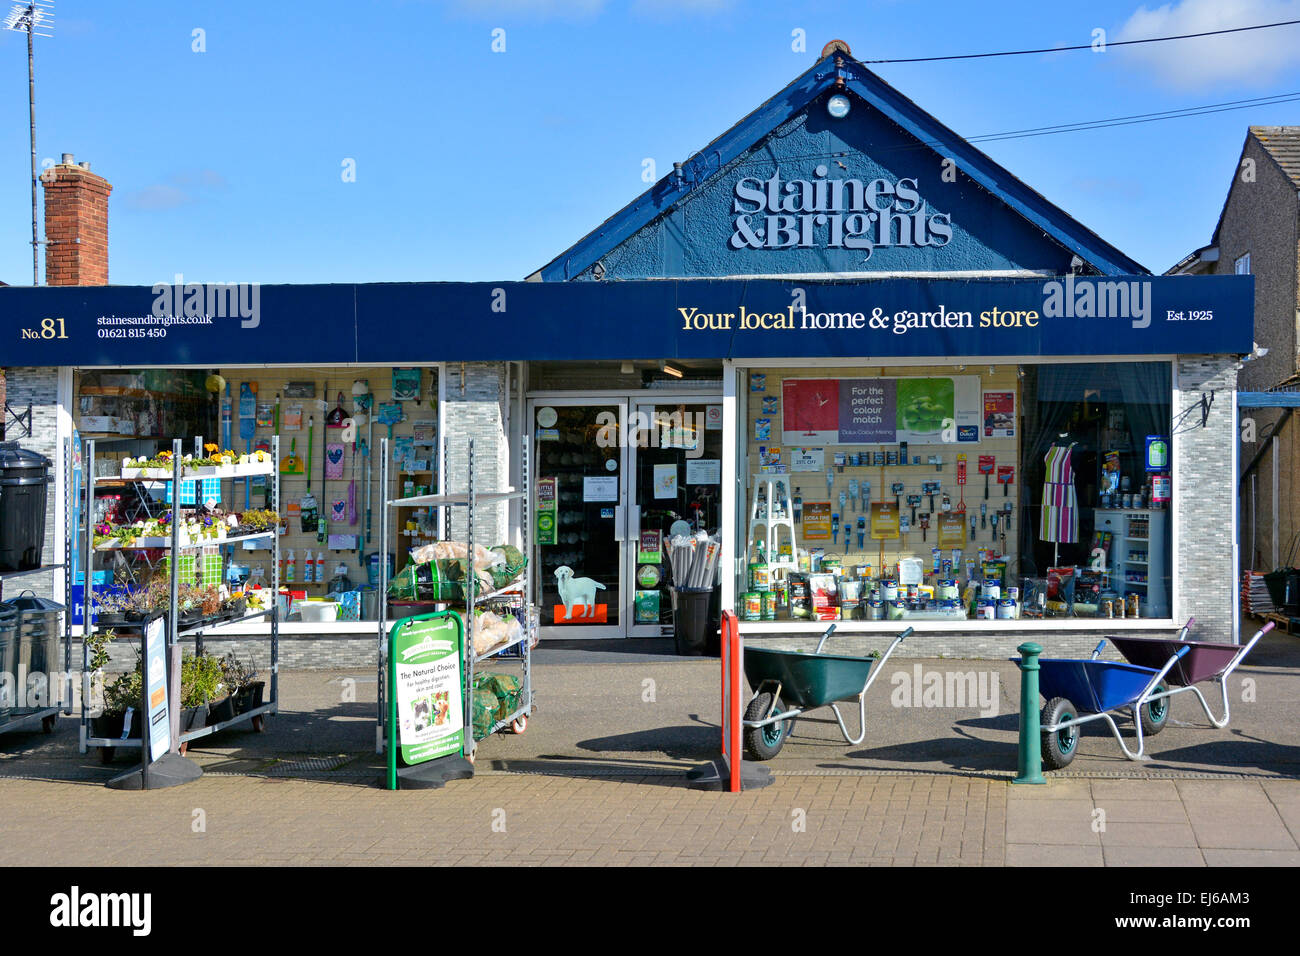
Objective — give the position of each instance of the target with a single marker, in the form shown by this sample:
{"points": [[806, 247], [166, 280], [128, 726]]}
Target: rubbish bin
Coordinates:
{"points": [[8, 659], [24, 480], [691, 620], [39, 633], [1284, 588]]}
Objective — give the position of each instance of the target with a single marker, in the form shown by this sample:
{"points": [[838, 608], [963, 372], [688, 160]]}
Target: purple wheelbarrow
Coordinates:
{"points": [[1079, 691]]}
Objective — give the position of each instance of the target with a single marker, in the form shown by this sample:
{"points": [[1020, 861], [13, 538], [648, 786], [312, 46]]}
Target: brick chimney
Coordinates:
{"points": [[76, 224]]}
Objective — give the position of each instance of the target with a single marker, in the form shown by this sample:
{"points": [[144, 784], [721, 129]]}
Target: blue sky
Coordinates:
{"points": [[227, 164]]}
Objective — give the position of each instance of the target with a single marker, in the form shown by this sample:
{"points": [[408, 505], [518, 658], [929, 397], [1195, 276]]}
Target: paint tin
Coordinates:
{"points": [[1014, 594], [889, 591], [875, 610], [896, 610], [948, 589], [768, 602], [850, 591], [848, 612], [751, 606], [948, 604], [1006, 609], [992, 592], [760, 577], [1133, 606], [1108, 608], [987, 610]]}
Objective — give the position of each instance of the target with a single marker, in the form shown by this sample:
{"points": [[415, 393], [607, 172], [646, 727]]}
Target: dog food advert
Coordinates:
{"points": [[426, 674]]}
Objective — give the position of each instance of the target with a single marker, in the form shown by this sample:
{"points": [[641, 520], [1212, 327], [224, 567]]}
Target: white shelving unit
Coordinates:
{"points": [[1138, 555]]}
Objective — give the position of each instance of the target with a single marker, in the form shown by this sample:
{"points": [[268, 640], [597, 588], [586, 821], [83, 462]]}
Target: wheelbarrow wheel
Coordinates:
{"points": [[764, 743], [1059, 746], [1154, 714]]}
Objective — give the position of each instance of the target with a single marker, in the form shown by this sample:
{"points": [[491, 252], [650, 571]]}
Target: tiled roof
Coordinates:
{"points": [[1283, 144]]}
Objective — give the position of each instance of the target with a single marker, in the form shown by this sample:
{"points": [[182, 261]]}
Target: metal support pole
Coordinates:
{"points": [[1030, 752], [31, 116]]}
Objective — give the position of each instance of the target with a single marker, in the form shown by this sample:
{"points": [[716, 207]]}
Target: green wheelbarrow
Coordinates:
{"points": [[787, 684]]}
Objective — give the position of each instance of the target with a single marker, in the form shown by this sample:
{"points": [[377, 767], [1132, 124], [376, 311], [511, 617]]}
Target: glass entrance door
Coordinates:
{"points": [[676, 449], [580, 477]]}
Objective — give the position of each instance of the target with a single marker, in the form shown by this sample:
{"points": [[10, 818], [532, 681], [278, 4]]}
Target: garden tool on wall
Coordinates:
{"points": [[247, 428], [322, 527], [848, 531], [830, 482], [993, 523], [844, 498], [865, 489], [961, 483], [896, 489], [853, 493], [835, 529], [914, 501], [984, 510], [862, 532], [925, 524], [309, 509]]}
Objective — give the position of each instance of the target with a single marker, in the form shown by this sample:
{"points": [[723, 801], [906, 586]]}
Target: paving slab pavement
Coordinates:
{"points": [[599, 778]]}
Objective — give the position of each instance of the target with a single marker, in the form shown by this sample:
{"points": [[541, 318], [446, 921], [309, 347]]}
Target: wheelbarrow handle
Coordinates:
{"points": [[906, 634], [1186, 629], [1099, 648], [822, 643]]}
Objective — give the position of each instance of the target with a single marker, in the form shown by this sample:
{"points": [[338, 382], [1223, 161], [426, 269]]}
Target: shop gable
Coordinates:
{"points": [[792, 189]]}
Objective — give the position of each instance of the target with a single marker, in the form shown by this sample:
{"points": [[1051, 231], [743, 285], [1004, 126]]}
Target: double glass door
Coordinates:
{"points": [[613, 480]]}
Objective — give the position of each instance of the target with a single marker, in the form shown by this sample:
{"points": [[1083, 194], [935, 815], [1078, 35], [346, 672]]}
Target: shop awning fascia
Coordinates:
{"points": [[407, 323]]}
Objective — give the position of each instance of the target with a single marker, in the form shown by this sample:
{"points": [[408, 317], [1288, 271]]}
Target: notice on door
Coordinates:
{"points": [[600, 488], [426, 678], [704, 471]]}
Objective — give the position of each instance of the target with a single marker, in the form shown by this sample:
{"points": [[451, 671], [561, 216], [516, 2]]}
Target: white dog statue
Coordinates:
{"points": [[575, 591]]}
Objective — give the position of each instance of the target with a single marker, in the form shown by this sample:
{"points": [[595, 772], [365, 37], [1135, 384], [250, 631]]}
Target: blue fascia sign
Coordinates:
{"points": [[401, 323]]}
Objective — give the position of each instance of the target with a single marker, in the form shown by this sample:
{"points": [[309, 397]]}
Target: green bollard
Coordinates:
{"points": [[1031, 737]]}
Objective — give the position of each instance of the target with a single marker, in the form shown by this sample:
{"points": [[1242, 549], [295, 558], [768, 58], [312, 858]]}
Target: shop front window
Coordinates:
{"points": [[955, 492]]}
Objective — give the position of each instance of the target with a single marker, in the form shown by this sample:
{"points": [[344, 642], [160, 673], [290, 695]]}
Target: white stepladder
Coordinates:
{"points": [[770, 513]]}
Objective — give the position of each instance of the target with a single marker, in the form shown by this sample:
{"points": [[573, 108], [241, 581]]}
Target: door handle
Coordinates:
{"points": [[620, 516]]}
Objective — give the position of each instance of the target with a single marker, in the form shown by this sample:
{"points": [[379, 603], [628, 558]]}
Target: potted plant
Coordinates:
{"points": [[200, 683], [242, 681], [110, 609], [119, 696]]}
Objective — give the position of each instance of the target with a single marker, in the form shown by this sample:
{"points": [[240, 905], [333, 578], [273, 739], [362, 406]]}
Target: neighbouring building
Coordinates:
{"points": [[1258, 234]]}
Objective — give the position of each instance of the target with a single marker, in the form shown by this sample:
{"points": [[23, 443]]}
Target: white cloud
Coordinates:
{"points": [[1251, 59]]}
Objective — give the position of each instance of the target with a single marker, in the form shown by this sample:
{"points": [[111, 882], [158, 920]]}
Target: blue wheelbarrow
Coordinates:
{"points": [[787, 684], [1080, 691]]}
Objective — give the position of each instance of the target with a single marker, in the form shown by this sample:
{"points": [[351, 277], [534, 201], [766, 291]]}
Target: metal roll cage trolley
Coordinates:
{"points": [[435, 773], [171, 768]]}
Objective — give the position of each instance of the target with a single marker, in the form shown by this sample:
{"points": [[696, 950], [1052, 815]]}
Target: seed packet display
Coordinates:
{"points": [[763, 429], [769, 405]]}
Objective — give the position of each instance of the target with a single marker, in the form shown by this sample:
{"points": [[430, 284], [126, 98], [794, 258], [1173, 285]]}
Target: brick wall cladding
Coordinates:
{"points": [[39, 387], [477, 414], [1205, 582]]}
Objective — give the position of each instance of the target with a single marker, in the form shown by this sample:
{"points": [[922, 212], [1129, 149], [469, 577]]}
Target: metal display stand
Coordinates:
{"points": [[175, 631], [508, 595], [48, 716]]}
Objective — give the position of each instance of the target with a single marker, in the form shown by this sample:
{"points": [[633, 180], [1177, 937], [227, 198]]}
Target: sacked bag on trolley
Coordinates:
{"points": [[424, 582]]}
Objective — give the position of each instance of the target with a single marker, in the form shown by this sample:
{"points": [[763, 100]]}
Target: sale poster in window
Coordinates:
{"points": [[817, 520], [999, 414]]}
